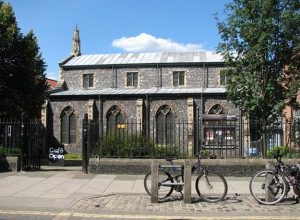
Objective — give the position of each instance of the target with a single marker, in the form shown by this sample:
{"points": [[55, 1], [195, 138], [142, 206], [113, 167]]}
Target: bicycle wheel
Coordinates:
{"points": [[267, 187], [163, 178], [211, 187]]}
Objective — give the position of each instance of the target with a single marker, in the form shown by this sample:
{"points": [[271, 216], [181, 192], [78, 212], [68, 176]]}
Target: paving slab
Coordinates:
{"points": [[73, 195]]}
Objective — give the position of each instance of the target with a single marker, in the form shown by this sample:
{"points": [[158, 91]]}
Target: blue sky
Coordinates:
{"points": [[118, 26]]}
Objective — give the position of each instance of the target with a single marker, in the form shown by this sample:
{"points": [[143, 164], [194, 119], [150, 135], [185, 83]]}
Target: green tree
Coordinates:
{"points": [[22, 80], [258, 41]]}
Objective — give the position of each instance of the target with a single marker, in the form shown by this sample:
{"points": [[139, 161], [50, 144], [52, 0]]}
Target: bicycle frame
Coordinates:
{"points": [[172, 178], [195, 168], [283, 170]]}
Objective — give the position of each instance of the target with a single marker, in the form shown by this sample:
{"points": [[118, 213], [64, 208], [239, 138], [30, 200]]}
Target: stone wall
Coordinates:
{"points": [[80, 107], [9, 163], [148, 77], [226, 167], [128, 106]]}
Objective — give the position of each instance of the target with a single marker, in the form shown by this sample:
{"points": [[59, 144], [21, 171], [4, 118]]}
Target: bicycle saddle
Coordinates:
{"points": [[170, 158]]}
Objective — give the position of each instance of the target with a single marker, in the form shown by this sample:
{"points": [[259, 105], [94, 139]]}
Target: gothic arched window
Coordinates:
{"points": [[164, 126], [219, 131], [216, 109], [68, 126], [114, 118]]}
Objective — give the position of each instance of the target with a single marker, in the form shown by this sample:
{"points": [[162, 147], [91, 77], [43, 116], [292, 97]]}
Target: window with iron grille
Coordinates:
{"points": [[68, 126], [132, 79], [219, 132], [88, 80], [165, 126], [178, 78]]}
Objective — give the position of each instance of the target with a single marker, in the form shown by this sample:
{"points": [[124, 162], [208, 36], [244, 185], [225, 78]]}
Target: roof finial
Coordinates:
{"points": [[76, 43]]}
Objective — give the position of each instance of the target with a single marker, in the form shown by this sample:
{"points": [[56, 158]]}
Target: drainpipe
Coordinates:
{"points": [[100, 116], [147, 121], [201, 111]]}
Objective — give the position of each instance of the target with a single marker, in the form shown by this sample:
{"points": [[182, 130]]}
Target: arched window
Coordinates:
{"points": [[114, 118], [216, 109], [64, 128], [68, 126], [219, 131], [72, 121], [164, 126]]}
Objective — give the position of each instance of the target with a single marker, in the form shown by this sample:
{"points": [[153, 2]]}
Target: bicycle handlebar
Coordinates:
{"points": [[277, 155]]}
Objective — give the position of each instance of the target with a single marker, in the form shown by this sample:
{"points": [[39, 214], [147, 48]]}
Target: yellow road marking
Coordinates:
{"points": [[139, 216]]}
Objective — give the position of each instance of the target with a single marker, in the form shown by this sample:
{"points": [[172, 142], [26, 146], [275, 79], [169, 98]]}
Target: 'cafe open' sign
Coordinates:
{"points": [[56, 153]]}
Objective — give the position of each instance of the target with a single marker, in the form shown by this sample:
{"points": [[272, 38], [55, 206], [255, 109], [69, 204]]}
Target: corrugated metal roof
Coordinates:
{"points": [[138, 58], [131, 91]]}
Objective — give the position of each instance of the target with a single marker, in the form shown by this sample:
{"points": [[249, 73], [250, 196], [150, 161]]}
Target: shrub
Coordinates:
{"points": [[134, 146], [284, 151], [115, 145], [162, 151], [10, 150]]}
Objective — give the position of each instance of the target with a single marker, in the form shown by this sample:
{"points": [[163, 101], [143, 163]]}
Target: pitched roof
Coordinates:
{"points": [[137, 91], [52, 83], [138, 58]]}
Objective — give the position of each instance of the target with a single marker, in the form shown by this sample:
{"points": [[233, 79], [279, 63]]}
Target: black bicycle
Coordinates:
{"points": [[270, 187], [211, 187]]}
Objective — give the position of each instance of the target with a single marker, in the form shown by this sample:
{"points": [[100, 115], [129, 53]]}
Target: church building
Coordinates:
{"points": [[156, 93]]}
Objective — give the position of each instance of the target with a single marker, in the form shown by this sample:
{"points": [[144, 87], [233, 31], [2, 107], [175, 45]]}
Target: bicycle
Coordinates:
{"points": [[270, 187], [210, 187]]}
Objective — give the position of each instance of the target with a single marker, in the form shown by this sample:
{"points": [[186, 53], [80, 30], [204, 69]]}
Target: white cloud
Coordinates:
{"points": [[148, 43]]}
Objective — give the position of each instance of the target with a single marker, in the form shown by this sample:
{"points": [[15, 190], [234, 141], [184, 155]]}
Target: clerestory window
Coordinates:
{"points": [[132, 79], [87, 81], [178, 78], [223, 78]]}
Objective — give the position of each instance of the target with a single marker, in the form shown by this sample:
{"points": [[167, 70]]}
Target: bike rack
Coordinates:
{"points": [[269, 195], [187, 179], [173, 167]]}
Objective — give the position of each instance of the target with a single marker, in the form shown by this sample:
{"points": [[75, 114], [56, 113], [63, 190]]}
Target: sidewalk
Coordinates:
{"points": [[70, 194]]}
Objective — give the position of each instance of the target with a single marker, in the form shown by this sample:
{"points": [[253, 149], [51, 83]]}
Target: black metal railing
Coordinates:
{"points": [[10, 137], [210, 137], [129, 140], [25, 139]]}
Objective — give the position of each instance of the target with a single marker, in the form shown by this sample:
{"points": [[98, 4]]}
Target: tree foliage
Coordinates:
{"points": [[22, 80], [259, 44]]}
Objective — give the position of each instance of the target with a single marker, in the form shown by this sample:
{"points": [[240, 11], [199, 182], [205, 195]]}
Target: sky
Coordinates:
{"points": [[119, 26]]}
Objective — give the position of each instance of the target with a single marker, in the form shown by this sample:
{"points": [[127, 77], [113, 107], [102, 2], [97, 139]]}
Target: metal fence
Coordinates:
{"points": [[23, 139], [130, 140], [210, 137]]}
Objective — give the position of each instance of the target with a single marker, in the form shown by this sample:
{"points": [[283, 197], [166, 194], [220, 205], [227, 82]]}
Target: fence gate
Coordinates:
{"points": [[218, 136], [33, 142], [23, 139]]}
